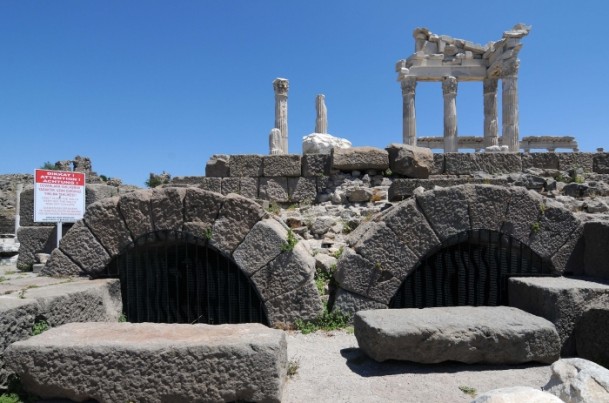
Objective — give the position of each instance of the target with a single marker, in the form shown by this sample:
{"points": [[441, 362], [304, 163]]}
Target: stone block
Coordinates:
{"points": [[488, 206], [173, 362], [34, 240], [245, 165], [200, 211], [26, 209], [359, 159], [17, 317], [524, 210], [567, 161], [236, 218], [560, 300], [135, 208], [411, 227], [349, 303], [438, 164], [248, 187], [460, 163], [105, 222], [568, 259], [357, 274], [316, 164], [600, 163], [274, 189], [187, 181], [231, 185], [218, 166], [596, 249], [410, 161], [166, 207], [401, 189], [302, 189], [499, 163], [60, 265], [261, 245], [556, 225], [281, 165], [539, 160], [591, 332], [447, 210], [97, 192], [211, 184], [494, 335], [84, 250], [578, 380], [303, 303]]}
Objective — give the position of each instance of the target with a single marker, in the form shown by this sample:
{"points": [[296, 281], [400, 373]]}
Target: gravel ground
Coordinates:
{"points": [[331, 368]]}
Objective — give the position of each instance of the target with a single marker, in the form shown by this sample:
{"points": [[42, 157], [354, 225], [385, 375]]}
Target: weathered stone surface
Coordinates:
{"points": [[360, 159], [218, 166], [97, 192], [438, 164], [349, 303], [402, 188], [105, 222], [303, 303], [411, 227], [375, 244], [447, 210], [246, 165], [575, 380], [26, 209], [488, 206], [183, 181], [261, 245], [302, 189], [516, 394], [287, 272], [567, 161], [524, 210], [560, 300], [248, 187], [591, 332], [357, 274], [539, 160], [322, 143], [410, 161], [135, 208], [460, 163], [316, 164], [274, 189], [167, 208], [600, 163], [174, 362], [84, 250], [281, 165], [237, 216], [556, 225], [596, 249], [230, 185], [33, 240], [496, 335], [60, 265], [568, 259], [211, 184], [499, 163], [201, 208], [358, 194]]}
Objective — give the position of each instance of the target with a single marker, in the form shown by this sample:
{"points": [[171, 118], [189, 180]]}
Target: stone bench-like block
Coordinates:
{"points": [[494, 335], [560, 300], [120, 362]]}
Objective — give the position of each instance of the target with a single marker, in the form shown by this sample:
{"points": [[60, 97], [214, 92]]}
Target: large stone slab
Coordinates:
{"points": [[410, 161], [494, 335], [591, 333], [246, 165], [575, 380], [360, 159], [281, 165], [539, 160], [120, 362], [316, 164], [560, 300], [567, 161]]}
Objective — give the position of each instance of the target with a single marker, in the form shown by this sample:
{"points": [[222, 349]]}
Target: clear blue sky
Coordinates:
{"points": [[147, 86]]}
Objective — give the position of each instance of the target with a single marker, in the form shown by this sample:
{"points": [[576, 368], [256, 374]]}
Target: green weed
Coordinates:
{"points": [[326, 321], [468, 390], [290, 243], [40, 327]]}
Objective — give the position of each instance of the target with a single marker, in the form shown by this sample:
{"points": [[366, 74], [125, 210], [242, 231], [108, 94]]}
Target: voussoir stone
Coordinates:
{"points": [[201, 208], [105, 222], [303, 303], [60, 265], [167, 208], [236, 218], [447, 210], [494, 335], [410, 161], [261, 245], [83, 249], [135, 208], [359, 159], [556, 225], [524, 210], [153, 362], [488, 206], [576, 380], [349, 303]]}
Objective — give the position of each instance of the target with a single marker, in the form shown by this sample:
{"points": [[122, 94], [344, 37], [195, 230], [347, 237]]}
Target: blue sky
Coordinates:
{"points": [[147, 86]]}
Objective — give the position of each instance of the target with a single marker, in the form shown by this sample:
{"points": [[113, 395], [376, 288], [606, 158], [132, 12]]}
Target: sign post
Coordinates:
{"points": [[59, 196]]}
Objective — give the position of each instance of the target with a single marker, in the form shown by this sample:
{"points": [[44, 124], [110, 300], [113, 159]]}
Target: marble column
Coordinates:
{"points": [[509, 111], [275, 142], [449, 89], [321, 114], [409, 129], [490, 112], [281, 86]]}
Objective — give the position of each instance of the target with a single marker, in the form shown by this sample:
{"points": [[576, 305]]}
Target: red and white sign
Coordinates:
{"points": [[59, 196]]}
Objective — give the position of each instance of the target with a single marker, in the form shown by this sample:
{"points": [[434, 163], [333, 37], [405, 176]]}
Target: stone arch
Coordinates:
{"points": [[384, 251], [235, 226]]}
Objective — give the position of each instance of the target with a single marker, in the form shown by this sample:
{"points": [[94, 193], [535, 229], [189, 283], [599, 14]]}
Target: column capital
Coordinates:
{"points": [[409, 84], [449, 85], [281, 86], [510, 68]]}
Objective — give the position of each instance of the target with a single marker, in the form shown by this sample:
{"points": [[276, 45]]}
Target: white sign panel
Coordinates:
{"points": [[59, 196]]}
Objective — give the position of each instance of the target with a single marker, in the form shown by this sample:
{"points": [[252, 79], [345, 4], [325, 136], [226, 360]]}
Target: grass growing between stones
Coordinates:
{"points": [[326, 321], [468, 390], [15, 392], [40, 327], [290, 243], [293, 366]]}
